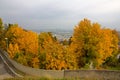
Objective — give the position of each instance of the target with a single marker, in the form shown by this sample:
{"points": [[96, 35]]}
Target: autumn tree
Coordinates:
{"points": [[0, 29], [39, 52], [1, 24], [2, 34], [54, 55], [49, 48], [92, 44], [23, 45], [113, 61]]}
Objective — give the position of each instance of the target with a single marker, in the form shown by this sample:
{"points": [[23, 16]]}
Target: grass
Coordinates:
{"points": [[28, 78], [113, 68], [32, 78], [44, 78]]}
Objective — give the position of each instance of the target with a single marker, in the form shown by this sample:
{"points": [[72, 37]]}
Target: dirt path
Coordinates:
{"points": [[3, 72]]}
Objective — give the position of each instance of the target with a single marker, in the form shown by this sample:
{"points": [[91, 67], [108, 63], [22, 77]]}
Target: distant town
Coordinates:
{"points": [[59, 33]]}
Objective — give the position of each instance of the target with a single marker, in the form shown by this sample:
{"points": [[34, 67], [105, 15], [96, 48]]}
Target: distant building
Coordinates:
{"points": [[61, 36]]}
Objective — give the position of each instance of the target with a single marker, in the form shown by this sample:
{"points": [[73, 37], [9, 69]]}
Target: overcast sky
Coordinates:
{"points": [[61, 14]]}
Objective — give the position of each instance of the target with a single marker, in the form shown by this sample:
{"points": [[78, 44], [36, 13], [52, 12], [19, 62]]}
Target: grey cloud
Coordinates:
{"points": [[60, 14]]}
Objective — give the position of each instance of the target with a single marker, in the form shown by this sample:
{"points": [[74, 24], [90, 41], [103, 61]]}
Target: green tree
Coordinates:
{"points": [[2, 32], [1, 24]]}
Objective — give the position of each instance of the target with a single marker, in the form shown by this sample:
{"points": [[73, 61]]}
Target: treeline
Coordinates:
{"points": [[90, 46]]}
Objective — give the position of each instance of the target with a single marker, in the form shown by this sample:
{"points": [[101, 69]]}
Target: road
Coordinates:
{"points": [[3, 71], [7, 69]]}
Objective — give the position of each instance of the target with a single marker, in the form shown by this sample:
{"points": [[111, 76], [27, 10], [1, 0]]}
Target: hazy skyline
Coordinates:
{"points": [[60, 14]]}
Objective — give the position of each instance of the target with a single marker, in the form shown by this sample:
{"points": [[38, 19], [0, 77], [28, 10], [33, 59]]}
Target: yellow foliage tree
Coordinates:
{"points": [[92, 44], [35, 62], [56, 56], [13, 50], [27, 42]]}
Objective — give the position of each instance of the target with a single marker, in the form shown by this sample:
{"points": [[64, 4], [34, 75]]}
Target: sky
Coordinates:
{"points": [[60, 14]]}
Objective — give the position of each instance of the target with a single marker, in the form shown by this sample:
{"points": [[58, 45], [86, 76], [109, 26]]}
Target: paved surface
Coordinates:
{"points": [[3, 72]]}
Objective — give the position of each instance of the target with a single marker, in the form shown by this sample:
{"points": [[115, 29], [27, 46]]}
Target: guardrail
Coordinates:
{"points": [[8, 65]]}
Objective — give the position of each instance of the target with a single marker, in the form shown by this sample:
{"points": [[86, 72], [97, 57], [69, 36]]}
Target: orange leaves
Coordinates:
{"points": [[92, 43], [57, 56], [23, 45], [35, 62], [53, 51], [13, 49], [31, 42], [89, 44], [26, 40]]}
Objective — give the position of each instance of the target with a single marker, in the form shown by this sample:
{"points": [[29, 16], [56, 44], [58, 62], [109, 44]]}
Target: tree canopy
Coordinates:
{"points": [[90, 45]]}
